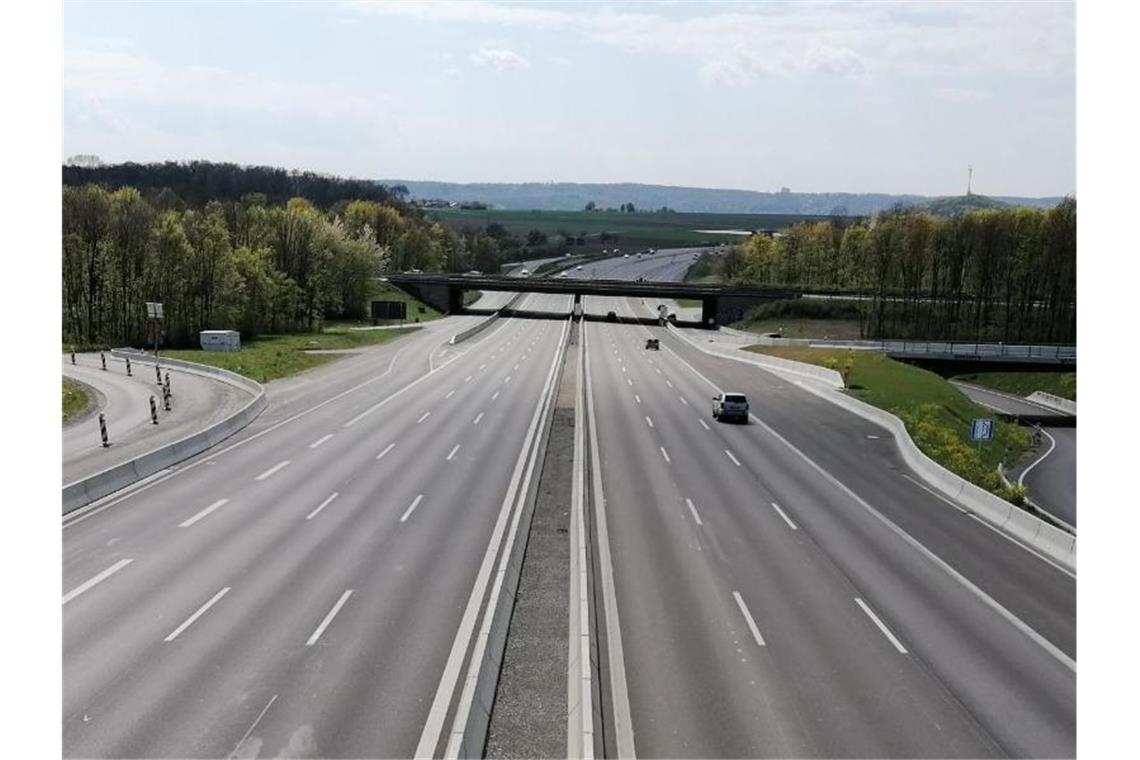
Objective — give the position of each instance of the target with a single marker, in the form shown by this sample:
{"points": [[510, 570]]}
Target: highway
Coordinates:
{"points": [[314, 587]]}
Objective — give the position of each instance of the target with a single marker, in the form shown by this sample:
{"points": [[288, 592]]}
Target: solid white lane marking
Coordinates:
{"points": [[704, 424], [87, 585], [638, 398], [452, 454], [494, 395], [320, 440], [748, 618], [683, 400], [1052, 445], [735, 461], [328, 618], [408, 512], [886, 631], [450, 393], [694, 511], [791, 524], [648, 421], [424, 417], [665, 454], [253, 725], [387, 448], [324, 504], [201, 611], [216, 505], [477, 418], [273, 470]]}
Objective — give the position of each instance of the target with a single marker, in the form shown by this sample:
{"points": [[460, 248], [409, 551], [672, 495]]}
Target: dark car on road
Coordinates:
{"points": [[611, 316], [653, 344], [730, 406]]}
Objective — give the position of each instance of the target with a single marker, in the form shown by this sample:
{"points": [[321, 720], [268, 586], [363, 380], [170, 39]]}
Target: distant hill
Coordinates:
{"points": [[571, 196]]}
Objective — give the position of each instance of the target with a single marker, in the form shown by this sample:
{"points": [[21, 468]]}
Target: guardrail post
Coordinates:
{"points": [[103, 430], [103, 358], [128, 366], [153, 412], [157, 374]]}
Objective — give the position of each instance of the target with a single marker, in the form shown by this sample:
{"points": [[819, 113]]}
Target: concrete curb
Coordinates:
{"points": [[473, 331], [82, 492], [1047, 539], [829, 377], [1051, 401]]}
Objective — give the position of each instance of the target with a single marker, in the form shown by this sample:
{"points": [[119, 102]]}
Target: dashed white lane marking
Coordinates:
{"points": [[216, 505], [467, 379], [669, 383], [623, 369], [387, 448], [450, 393], [320, 440], [452, 454], [665, 454], [516, 367], [482, 366], [694, 511], [704, 424], [779, 511], [748, 618], [408, 512], [273, 470], [495, 395], [735, 461], [873, 437], [649, 421], [324, 504], [477, 418], [637, 398], [886, 631], [424, 417], [657, 370], [683, 400], [629, 382], [507, 380], [87, 585], [201, 611], [328, 618]]}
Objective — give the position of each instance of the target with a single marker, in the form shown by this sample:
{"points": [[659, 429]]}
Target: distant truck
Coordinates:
{"points": [[662, 312], [219, 340]]}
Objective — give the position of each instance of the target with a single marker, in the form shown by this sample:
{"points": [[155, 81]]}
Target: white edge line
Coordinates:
{"points": [[748, 618], [201, 611], [1052, 445], [87, 585], [882, 627], [324, 504], [253, 725], [328, 618]]}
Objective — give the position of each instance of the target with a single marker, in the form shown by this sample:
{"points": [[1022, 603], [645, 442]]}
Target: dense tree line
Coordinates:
{"points": [[248, 264], [1003, 274], [196, 183]]}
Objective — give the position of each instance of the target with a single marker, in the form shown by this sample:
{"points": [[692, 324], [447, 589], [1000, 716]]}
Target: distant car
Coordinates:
{"points": [[728, 406], [639, 255], [414, 271], [653, 250], [578, 267], [524, 273], [473, 273], [672, 317], [652, 344], [625, 255], [611, 316]]}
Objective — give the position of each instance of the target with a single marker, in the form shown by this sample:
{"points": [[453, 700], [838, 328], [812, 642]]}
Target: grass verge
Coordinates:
{"points": [[1063, 384], [936, 414], [75, 400], [273, 356]]}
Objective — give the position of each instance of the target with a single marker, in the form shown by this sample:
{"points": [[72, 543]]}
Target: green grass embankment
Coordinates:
{"points": [[805, 318], [1063, 384], [75, 400], [936, 414], [269, 357]]}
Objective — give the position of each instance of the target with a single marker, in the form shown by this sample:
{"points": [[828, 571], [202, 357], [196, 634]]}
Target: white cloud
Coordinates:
{"points": [[500, 60]]}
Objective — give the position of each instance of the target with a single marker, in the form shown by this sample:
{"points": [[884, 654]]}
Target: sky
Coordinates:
{"points": [[818, 97]]}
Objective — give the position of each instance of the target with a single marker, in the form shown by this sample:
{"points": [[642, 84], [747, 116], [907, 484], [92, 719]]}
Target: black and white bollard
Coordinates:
{"points": [[128, 366], [153, 412], [168, 391], [157, 375], [103, 430], [166, 398], [73, 357], [103, 358]]}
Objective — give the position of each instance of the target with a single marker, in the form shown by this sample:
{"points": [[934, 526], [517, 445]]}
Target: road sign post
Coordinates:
{"points": [[154, 315], [981, 429]]}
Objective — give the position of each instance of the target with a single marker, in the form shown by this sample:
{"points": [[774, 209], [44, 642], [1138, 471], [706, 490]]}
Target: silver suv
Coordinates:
{"points": [[728, 406]]}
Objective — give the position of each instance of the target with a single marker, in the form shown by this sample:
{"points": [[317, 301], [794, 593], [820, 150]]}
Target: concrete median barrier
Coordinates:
{"points": [[1053, 402], [1046, 539], [92, 488], [459, 337]]}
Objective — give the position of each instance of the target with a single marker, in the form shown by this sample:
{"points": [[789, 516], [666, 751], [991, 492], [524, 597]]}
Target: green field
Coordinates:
{"points": [[1063, 384], [75, 400], [937, 415], [272, 356], [633, 230]]}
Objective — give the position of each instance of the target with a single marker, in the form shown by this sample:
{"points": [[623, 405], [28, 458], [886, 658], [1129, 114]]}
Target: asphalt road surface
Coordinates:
{"points": [[786, 588]]}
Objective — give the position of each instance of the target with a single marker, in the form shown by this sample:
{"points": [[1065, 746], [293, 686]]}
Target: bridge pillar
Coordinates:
{"points": [[709, 312], [454, 299]]}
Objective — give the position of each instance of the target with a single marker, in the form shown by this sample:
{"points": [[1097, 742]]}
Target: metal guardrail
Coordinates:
{"points": [[980, 350]]}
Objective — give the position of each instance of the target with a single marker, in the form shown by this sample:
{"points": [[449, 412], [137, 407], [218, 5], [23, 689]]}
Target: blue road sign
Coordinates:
{"points": [[981, 429]]}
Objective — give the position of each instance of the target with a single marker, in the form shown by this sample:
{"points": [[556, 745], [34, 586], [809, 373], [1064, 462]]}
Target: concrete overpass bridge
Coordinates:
{"points": [[720, 304]]}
